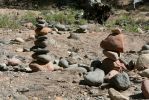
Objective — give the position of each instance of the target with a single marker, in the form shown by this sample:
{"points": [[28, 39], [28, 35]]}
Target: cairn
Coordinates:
{"points": [[113, 45], [41, 59]]}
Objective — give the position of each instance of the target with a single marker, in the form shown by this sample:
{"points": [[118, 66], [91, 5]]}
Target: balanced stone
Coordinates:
{"points": [[41, 38], [121, 81], [41, 44], [114, 42], [41, 21], [39, 50], [95, 78], [43, 31], [111, 55], [43, 58], [41, 25]]}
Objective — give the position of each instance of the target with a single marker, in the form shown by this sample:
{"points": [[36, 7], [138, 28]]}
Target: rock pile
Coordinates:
{"points": [[41, 58]]}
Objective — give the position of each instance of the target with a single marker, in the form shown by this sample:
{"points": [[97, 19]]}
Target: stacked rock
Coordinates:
{"points": [[113, 45], [41, 58]]}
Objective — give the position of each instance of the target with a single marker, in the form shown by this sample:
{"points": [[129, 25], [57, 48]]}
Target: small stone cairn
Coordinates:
{"points": [[41, 59], [113, 45]]}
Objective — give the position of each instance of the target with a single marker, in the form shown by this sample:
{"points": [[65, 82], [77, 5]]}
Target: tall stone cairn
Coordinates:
{"points": [[41, 59]]}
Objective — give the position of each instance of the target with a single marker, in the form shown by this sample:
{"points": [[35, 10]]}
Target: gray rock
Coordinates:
{"points": [[95, 78], [3, 67], [63, 63], [145, 52], [41, 44], [78, 69], [41, 21], [144, 73], [73, 36], [19, 97], [121, 81], [41, 25], [43, 58], [115, 95], [145, 47], [82, 29], [61, 27], [41, 38], [39, 50]]}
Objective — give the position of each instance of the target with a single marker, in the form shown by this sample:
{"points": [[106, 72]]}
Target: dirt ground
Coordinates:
{"points": [[64, 84]]}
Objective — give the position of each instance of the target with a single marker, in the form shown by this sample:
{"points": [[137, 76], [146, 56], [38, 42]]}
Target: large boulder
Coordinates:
{"points": [[114, 42], [95, 78], [142, 62]]}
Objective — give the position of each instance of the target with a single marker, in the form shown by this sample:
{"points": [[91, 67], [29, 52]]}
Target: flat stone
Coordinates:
{"points": [[144, 73], [61, 27], [43, 31], [41, 25], [111, 55], [77, 69], [111, 74], [14, 62], [63, 63], [115, 95], [73, 36], [145, 52], [39, 50], [19, 40], [121, 81], [43, 58], [145, 88], [95, 78], [39, 66], [41, 38], [41, 44], [142, 62], [114, 42], [82, 29], [41, 21]]}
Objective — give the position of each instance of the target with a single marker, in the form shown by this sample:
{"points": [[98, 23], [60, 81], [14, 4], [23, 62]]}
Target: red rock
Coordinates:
{"points": [[114, 42], [14, 62], [111, 74], [37, 66], [59, 98], [111, 55], [43, 31], [145, 88], [108, 65]]}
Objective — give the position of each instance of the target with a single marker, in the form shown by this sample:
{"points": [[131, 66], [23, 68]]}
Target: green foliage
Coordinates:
{"points": [[29, 17], [9, 22], [64, 17]]}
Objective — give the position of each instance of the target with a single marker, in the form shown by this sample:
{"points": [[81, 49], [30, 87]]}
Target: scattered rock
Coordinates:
{"points": [[96, 64], [19, 40], [3, 67], [38, 66], [59, 98], [144, 52], [111, 55], [114, 42], [19, 50], [73, 36], [144, 73], [29, 25], [14, 62], [121, 81], [82, 29], [140, 30], [142, 62], [63, 63], [145, 47], [77, 69], [115, 95], [95, 78], [61, 27], [145, 88]]}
